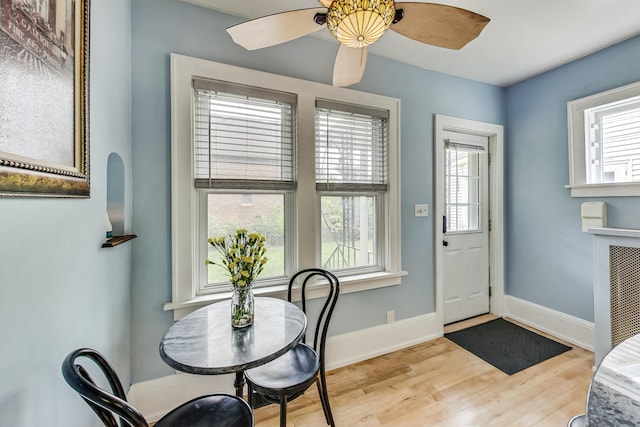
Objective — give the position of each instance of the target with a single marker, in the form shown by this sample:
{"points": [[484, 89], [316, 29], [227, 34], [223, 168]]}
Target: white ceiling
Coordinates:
{"points": [[524, 37]]}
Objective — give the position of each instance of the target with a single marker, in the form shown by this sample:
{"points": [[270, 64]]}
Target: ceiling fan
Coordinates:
{"points": [[359, 23]]}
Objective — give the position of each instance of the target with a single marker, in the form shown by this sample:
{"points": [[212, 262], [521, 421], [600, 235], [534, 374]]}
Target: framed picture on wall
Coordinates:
{"points": [[44, 98]]}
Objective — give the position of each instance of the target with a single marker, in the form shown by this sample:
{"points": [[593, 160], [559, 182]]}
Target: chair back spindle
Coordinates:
{"points": [[212, 410], [322, 324], [104, 403]]}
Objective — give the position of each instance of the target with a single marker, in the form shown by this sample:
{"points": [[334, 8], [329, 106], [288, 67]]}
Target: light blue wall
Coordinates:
{"points": [[549, 259], [164, 26], [58, 289]]}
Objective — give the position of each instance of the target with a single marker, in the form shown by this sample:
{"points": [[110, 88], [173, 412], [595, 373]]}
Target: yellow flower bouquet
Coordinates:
{"points": [[243, 257]]}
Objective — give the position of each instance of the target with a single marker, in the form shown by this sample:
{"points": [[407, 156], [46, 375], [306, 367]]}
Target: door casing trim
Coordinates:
{"points": [[495, 133]]}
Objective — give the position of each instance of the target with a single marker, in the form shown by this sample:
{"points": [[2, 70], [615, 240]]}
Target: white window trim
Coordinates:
{"points": [[577, 156], [184, 228]]}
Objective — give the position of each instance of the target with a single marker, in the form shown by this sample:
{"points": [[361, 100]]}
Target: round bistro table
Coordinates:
{"points": [[205, 343]]}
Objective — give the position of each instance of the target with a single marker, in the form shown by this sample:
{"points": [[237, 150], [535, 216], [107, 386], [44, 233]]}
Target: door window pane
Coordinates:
{"points": [[348, 231], [264, 214], [462, 190]]}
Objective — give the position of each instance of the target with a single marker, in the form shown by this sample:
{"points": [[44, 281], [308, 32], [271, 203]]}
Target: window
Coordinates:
{"points": [[462, 197], [613, 142], [351, 180], [604, 143], [313, 167], [243, 142]]}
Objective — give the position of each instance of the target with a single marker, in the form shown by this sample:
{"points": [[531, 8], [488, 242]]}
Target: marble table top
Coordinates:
{"points": [[614, 396], [204, 342]]}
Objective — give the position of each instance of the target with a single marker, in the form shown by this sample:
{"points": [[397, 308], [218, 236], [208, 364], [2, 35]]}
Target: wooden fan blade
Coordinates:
{"points": [[275, 29], [439, 25], [349, 66]]}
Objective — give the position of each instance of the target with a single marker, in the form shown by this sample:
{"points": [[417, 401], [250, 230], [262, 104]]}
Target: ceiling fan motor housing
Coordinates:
{"points": [[358, 23]]}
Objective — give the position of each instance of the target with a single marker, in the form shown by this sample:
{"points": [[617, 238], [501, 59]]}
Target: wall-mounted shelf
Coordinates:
{"points": [[118, 240]]}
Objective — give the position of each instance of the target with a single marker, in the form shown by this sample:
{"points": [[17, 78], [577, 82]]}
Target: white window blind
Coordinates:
{"points": [[614, 142], [243, 136], [351, 147]]}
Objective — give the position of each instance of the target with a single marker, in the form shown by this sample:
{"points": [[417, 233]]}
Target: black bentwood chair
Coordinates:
{"points": [[207, 411], [287, 377]]}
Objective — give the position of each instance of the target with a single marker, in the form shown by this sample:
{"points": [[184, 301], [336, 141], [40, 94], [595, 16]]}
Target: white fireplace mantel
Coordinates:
{"points": [[615, 232], [603, 239]]}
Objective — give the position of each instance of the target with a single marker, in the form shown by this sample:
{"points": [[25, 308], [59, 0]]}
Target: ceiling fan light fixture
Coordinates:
{"points": [[359, 23]]}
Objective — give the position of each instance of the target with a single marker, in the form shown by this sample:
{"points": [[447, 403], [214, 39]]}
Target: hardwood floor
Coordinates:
{"points": [[440, 384]]}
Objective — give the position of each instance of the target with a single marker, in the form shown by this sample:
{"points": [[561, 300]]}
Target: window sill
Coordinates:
{"points": [[348, 284], [605, 190]]}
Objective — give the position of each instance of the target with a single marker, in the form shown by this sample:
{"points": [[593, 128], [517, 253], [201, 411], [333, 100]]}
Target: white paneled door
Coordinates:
{"points": [[465, 226]]}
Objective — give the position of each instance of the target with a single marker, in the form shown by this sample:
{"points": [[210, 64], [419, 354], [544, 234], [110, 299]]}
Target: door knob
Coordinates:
{"points": [[445, 243]]}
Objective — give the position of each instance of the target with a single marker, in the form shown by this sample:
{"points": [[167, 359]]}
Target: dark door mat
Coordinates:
{"points": [[507, 346]]}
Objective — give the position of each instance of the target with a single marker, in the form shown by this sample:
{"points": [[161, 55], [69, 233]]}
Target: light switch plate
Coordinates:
{"points": [[421, 210]]}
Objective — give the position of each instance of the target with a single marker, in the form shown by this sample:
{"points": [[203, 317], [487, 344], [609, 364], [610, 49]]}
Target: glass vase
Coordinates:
{"points": [[242, 307]]}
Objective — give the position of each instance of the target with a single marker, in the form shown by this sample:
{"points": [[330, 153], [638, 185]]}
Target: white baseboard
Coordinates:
{"points": [[156, 397], [568, 328], [345, 349]]}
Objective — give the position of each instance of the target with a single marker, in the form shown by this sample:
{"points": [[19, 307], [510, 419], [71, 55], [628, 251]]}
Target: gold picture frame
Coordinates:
{"points": [[44, 119]]}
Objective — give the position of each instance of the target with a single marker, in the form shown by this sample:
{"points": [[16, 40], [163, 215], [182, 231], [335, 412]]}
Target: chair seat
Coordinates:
{"points": [[293, 371], [209, 411]]}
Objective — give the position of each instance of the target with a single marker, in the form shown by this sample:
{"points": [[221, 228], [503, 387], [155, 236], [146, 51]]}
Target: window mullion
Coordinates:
{"points": [[307, 213], [200, 230]]}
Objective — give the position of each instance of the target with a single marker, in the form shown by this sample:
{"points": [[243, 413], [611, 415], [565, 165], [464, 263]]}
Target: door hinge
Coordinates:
{"points": [[489, 224], [489, 159], [489, 291]]}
